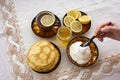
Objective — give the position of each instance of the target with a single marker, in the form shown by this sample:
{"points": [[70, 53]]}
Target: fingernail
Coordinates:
{"points": [[109, 23]]}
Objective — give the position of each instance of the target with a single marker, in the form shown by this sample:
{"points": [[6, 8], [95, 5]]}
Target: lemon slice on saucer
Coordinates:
{"points": [[73, 13], [47, 20], [68, 20], [85, 19], [76, 26]]}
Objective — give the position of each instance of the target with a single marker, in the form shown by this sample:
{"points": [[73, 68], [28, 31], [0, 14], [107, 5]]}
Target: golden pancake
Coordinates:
{"points": [[43, 56]]}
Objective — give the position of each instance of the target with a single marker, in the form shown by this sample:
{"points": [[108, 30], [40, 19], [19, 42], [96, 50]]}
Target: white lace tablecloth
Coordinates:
{"points": [[16, 37]]}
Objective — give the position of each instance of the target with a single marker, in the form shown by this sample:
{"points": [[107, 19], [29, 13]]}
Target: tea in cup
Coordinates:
{"points": [[64, 35]]}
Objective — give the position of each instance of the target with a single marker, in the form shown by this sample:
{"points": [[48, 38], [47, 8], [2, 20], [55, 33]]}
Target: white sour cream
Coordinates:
{"points": [[80, 54]]}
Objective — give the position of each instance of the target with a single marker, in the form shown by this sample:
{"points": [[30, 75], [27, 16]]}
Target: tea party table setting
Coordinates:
{"points": [[38, 40]]}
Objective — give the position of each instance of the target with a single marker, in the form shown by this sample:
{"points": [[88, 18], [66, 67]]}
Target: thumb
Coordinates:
{"points": [[108, 29]]}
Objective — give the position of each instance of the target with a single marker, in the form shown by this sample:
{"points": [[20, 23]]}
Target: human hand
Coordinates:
{"points": [[110, 30]]}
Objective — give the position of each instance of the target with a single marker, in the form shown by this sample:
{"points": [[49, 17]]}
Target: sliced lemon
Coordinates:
{"points": [[68, 20], [85, 19], [76, 26], [73, 13], [79, 13], [47, 20]]}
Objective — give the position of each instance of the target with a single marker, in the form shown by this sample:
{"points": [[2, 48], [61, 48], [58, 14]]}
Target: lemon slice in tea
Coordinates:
{"points": [[47, 20], [73, 13], [68, 20], [76, 26], [85, 19]]}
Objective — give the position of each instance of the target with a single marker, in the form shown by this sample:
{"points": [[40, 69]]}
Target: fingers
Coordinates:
{"points": [[98, 30], [102, 36], [101, 30], [109, 29], [113, 23], [100, 26]]}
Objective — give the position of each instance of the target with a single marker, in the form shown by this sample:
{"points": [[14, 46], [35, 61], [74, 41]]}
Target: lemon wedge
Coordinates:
{"points": [[76, 26], [68, 20], [85, 19], [73, 13], [47, 20]]}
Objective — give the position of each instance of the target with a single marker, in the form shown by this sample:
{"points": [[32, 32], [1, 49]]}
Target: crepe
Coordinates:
{"points": [[43, 56]]}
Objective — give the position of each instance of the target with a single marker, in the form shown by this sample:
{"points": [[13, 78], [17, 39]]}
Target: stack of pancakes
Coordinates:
{"points": [[43, 56]]}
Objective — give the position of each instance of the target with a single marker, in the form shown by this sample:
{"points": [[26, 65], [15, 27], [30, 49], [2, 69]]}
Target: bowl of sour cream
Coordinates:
{"points": [[82, 56]]}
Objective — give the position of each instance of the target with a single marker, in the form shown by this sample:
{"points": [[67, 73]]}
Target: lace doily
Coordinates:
{"points": [[15, 45]]}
